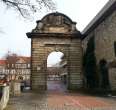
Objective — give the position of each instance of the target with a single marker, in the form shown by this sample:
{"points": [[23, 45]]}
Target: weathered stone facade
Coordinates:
{"points": [[55, 32], [103, 29], [105, 36]]}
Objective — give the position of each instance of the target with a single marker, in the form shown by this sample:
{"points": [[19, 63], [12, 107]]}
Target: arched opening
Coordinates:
{"points": [[56, 71], [104, 79]]}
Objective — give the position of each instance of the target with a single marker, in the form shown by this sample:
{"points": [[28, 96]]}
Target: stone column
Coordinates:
{"points": [[38, 77], [75, 65]]}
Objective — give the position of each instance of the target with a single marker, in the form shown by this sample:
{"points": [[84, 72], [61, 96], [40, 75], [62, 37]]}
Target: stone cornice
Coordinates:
{"points": [[58, 35]]}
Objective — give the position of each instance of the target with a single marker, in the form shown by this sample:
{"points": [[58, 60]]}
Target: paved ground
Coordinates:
{"points": [[57, 99]]}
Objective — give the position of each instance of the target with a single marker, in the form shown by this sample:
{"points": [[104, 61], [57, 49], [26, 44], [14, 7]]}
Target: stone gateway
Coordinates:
{"points": [[55, 32]]}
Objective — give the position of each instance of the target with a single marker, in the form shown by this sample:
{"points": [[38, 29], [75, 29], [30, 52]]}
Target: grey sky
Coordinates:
{"points": [[13, 28], [54, 55]]}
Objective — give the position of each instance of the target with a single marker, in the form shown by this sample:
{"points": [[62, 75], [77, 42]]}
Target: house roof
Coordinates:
{"points": [[107, 10], [24, 59], [2, 62]]}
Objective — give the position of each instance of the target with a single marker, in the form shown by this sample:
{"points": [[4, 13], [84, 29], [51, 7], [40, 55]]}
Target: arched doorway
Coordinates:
{"points": [[56, 71], [55, 32], [104, 77]]}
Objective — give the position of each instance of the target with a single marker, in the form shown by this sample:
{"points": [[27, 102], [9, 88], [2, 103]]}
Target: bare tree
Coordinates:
{"points": [[27, 7], [11, 59]]}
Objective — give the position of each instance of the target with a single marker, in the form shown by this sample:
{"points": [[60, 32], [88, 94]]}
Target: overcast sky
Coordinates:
{"points": [[13, 28]]}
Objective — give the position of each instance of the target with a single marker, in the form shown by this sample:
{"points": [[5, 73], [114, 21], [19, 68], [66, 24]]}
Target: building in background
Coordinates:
{"points": [[2, 68], [103, 29], [18, 69]]}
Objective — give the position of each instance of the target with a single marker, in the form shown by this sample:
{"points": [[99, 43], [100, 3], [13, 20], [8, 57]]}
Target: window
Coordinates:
{"points": [[12, 65], [115, 48], [28, 65], [8, 65]]}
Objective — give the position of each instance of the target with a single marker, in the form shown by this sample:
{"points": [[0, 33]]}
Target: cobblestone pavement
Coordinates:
{"points": [[59, 100]]}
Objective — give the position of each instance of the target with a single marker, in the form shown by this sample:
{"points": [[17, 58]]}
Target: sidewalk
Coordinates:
{"points": [[57, 98], [59, 101]]}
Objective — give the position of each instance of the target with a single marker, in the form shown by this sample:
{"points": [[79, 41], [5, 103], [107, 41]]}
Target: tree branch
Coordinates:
{"points": [[27, 7]]}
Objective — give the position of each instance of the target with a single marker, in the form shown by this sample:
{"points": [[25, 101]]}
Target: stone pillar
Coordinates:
{"points": [[38, 77], [5, 97], [75, 65], [15, 88]]}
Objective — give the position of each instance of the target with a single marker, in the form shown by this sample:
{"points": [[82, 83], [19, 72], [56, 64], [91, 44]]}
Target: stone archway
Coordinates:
{"points": [[65, 50], [55, 32], [55, 71]]}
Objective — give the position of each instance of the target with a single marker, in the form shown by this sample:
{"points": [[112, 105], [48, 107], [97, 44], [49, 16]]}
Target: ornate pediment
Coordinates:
{"points": [[55, 23]]}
